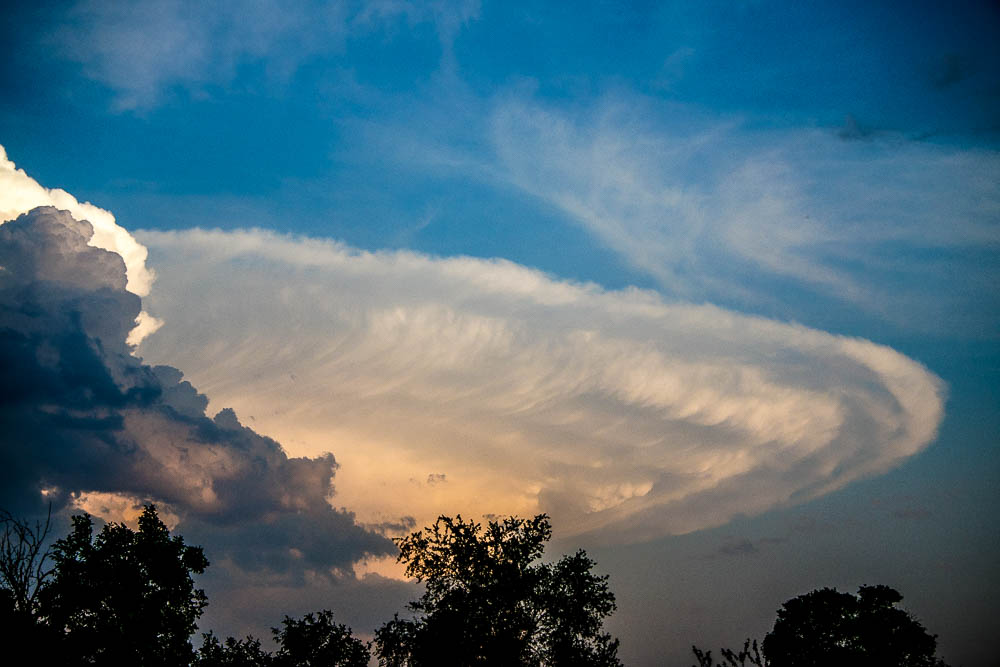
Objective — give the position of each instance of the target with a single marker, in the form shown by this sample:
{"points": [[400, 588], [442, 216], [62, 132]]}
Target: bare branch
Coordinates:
{"points": [[23, 557]]}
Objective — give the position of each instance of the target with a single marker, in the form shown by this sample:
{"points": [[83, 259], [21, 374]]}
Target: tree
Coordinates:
{"points": [[825, 628], [488, 602], [749, 655], [316, 641], [124, 597], [23, 556], [24, 553], [127, 598], [232, 653]]}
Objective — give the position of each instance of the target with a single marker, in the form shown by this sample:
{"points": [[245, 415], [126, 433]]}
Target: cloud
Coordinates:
{"points": [[789, 222], [625, 416], [87, 424], [738, 547], [142, 49], [19, 193]]}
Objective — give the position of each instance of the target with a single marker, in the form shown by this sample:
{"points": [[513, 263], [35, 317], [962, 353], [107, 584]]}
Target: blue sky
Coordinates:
{"points": [[738, 225]]}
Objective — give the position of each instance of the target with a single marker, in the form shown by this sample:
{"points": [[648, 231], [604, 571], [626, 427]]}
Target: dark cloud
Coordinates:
{"points": [[82, 415], [741, 547], [402, 525]]}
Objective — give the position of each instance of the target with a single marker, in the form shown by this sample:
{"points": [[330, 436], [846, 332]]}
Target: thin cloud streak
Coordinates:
{"points": [[902, 230], [141, 51], [624, 416]]}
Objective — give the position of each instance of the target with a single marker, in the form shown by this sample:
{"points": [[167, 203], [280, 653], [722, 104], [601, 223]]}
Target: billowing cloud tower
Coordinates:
{"points": [[85, 419]]}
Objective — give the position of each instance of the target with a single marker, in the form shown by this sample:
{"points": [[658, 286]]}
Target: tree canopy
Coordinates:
{"points": [[124, 596], [128, 597], [488, 600], [748, 656], [232, 653], [315, 640], [825, 628]]}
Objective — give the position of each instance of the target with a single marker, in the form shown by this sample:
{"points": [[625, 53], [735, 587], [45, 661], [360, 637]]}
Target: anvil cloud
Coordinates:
{"points": [[467, 385], [460, 384]]}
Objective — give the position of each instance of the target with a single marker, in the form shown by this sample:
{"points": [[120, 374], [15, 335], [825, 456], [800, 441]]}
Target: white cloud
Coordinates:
{"points": [[142, 49], [623, 415], [19, 193], [906, 231]]}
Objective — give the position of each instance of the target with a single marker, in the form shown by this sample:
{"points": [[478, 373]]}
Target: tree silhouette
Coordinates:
{"points": [[23, 556], [24, 571], [232, 653], [826, 628], [317, 641], [314, 641], [124, 597], [488, 602], [749, 655]]}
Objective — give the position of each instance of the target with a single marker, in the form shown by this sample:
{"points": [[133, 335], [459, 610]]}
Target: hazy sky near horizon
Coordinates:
{"points": [[713, 284]]}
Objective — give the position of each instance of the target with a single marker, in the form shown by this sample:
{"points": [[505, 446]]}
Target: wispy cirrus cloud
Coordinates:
{"points": [[141, 50], [623, 415], [904, 230]]}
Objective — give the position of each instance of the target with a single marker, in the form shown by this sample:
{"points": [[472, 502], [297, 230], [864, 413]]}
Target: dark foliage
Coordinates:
{"points": [[128, 597], [313, 641], [316, 641], [232, 653], [826, 628], [488, 602], [124, 597], [749, 655]]}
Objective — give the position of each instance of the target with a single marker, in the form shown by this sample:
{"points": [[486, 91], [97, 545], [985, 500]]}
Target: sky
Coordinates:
{"points": [[712, 284]]}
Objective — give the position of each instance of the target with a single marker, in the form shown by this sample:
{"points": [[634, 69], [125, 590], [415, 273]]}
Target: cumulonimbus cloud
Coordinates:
{"points": [[624, 416], [19, 193], [85, 421]]}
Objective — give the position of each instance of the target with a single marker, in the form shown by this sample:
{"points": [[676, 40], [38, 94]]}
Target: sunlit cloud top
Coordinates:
{"points": [[19, 193], [485, 387]]}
